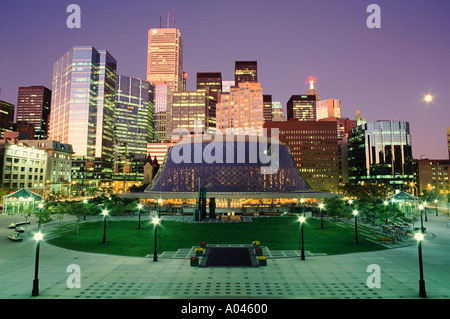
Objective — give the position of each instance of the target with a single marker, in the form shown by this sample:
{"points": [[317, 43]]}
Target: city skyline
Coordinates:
{"points": [[385, 73]]}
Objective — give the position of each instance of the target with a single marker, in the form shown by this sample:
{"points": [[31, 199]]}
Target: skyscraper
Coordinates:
{"points": [[194, 111], [33, 108], [380, 152], [133, 121], [211, 80], [165, 57], [301, 107], [241, 110], [278, 112], [82, 114], [328, 108], [245, 71], [6, 117], [161, 112]]}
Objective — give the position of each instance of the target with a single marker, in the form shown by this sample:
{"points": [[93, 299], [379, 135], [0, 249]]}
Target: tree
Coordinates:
{"points": [[337, 207]]}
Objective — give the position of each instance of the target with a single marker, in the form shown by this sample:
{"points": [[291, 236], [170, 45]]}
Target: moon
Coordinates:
{"points": [[428, 98]]}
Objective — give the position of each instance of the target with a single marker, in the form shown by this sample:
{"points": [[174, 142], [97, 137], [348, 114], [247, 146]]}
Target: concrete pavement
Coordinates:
{"points": [[318, 277]]}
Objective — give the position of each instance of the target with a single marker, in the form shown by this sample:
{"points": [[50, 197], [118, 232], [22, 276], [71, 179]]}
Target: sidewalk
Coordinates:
{"points": [[115, 277]]}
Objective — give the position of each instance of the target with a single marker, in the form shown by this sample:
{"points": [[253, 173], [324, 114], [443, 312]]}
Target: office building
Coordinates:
{"points": [[194, 111], [33, 109], [6, 117], [245, 71], [226, 85], [328, 108], [133, 120], [82, 113], [314, 148], [301, 107], [380, 152], [165, 57], [267, 107], [278, 112], [241, 110], [433, 175], [161, 112], [211, 80]]}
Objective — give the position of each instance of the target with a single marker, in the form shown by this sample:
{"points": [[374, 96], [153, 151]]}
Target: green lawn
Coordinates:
{"points": [[277, 233]]}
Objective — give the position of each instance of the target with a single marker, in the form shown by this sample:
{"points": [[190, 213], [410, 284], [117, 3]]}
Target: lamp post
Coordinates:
{"points": [[85, 201], [422, 292], [421, 219], [35, 292], [155, 222], [386, 203], [425, 209], [301, 220], [139, 206], [104, 213], [355, 213], [435, 203], [40, 215], [321, 217]]}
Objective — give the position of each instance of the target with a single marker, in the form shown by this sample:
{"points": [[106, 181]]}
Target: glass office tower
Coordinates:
{"points": [[83, 98], [301, 107], [133, 120], [245, 71], [380, 152]]}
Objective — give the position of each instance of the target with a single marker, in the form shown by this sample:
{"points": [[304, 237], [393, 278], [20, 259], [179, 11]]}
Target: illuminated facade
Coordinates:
{"points": [[314, 148], [83, 99], [161, 112], [380, 152], [133, 120], [433, 175], [165, 57], [241, 111], [33, 108], [245, 71], [211, 80], [301, 107], [194, 111], [278, 112], [6, 117], [328, 108]]}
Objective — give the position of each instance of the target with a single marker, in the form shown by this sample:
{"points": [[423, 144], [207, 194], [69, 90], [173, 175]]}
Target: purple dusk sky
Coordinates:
{"points": [[383, 72]]}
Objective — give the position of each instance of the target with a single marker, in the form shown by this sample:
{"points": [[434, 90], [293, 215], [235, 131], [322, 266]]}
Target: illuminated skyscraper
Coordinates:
{"points": [[82, 114], [211, 80], [133, 121], [241, 110], [165, 57], [161, 112], [302, 107], [6, 117], [312, 90], [278, 112], [245, 71], [33, 108], [328, 108]]}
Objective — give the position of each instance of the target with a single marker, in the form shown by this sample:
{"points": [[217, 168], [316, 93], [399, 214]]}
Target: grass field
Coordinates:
{"points": [[277, 233]]}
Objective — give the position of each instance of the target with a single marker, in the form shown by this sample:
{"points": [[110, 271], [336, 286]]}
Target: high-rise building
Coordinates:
{"points": [[267, 105], [312, 90], [278, 112], [33, 108], [226, 85], [241, 110], [133, 120], [448, 141], [194, 111], [6, 117], [161, 112], [245, 71], [380, 152], [165, 57], [433, 175], [301, 107], [328, 108], [211, 80], [82, 114], [314, 148]]}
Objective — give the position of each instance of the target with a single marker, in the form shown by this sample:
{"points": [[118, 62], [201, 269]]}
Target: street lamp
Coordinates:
{"points": [[425, 209], [104, 213], [139, 206], [435, 203], [35, 292], [85, 201], [421, 219], [355, 213], [156, 220], [40, 213], [301, 220], [422, 292], [321, 217]]}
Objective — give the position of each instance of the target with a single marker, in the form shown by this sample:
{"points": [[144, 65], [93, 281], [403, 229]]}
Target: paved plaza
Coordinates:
{"points": [[285, 276]]}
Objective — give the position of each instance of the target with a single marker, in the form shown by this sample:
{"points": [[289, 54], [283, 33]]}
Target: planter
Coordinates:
{"points": [[203, 244], [262, 261], [256, 244], [199, 252], [194, 261], [258, 251]]}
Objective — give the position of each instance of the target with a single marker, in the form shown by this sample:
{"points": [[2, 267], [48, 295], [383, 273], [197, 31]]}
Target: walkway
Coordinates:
{"points": [[337, 276]]}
